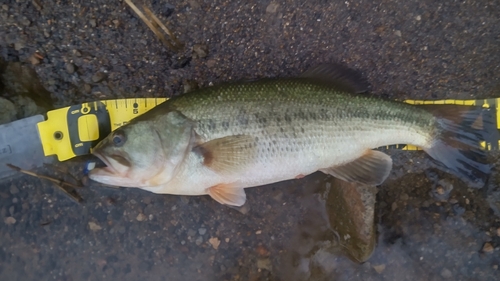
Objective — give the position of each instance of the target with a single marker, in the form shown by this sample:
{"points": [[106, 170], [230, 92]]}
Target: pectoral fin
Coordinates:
{"points": [[227, 194], [371, 169], [227, 155]]}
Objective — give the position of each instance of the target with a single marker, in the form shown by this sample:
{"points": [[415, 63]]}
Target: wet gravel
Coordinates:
{"points": [[431, 226]]}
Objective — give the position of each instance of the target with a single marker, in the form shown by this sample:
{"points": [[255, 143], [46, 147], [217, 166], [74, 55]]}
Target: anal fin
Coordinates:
{"points": [[371, 169], [227, 194]]}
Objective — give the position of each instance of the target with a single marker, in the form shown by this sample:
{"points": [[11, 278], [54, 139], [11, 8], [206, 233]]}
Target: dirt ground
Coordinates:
{"points": [[99, 49]]}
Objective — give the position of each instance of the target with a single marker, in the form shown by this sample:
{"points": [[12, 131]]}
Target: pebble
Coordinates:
{"points": [[70, 68], [446, 273], [211, 63], [34, 60], [202, 231], [201, 50], [215, 242], [397, 33], [394, 206], [498, 231], [94, 226], [14, 189], [11, 210], [9, 220], [487, 247], [5, 7], [141, 217], [98, 77], [405, 197], [191, 232], [87, 88], [199, 240], [379, 268], [272, 8], [93, 22], [264, 263]]}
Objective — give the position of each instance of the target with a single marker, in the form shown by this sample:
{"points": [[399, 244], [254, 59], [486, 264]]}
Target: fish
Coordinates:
{"points": [[219, 140]]}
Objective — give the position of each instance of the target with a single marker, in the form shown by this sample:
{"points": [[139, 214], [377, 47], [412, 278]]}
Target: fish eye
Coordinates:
{"points": [[119, 138]]}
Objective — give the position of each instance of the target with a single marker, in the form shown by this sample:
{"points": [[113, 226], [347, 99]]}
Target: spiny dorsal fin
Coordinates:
{"points": [[371, 169], [338, 76]]}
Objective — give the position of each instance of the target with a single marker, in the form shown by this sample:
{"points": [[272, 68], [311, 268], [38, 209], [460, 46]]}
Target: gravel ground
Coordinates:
{"points": [[89, 50]]}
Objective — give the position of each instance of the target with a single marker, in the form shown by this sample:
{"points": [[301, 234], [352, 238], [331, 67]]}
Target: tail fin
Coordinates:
{"points": [[457, 144]]}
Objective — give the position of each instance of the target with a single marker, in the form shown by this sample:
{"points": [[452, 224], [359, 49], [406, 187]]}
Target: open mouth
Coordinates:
{"points": [[104, 164]]}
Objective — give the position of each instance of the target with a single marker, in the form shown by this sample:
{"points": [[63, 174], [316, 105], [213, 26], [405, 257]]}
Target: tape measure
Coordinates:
{"points": [[72, 131]]}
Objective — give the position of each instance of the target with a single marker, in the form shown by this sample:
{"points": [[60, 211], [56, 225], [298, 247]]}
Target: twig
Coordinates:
{"points": [[152, 26], [64, 172], [59, 183], [163, 27]]}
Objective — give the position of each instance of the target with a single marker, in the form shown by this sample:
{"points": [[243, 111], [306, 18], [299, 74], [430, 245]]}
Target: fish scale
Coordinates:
{"points": [[222, 139]]}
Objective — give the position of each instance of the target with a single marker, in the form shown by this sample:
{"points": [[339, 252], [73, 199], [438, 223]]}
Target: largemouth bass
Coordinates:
{"points": [[222, 139]]}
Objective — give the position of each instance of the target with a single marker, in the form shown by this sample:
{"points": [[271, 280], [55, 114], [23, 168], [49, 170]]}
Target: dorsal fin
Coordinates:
{"points": [[338, 76]]}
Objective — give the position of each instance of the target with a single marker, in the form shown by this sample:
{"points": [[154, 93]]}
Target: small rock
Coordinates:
{"points": [[202, 231], [18, 45], [9, 220], [98, 77], [394, 206], [379, 268], [146, 200], [264, 263], [498, 231], [25, 21], [5, 7], [418, 17], [12, 210], [215, 242], [34, 60], [87, 88], [116, 23], [272, 8], [198, 241], [94, 226], [397, 33], [446, 273], [258, 232], [201, 50], [14, 189], [227, 240], [141, 217], [211, 63], [70, 68], [262, 251], [191, 232], [441, 191], [487, 247], [405, 197], [93, 22], [77, 53]]}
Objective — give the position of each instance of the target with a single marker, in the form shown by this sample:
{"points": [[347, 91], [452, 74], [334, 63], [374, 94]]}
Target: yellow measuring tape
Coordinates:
{"points": [[71, 131]]}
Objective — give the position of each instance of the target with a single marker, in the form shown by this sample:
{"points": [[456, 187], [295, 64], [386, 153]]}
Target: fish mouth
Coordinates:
{"points": [[108, 168]]}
